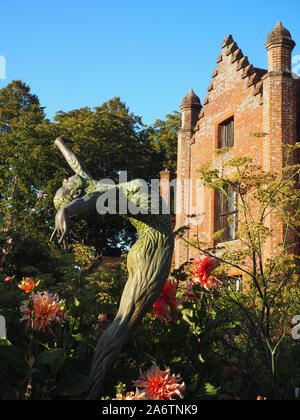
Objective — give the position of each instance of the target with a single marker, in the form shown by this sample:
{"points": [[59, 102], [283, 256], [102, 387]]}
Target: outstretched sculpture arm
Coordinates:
{"points": [[82, 205], [64, 214], [73, 161]]}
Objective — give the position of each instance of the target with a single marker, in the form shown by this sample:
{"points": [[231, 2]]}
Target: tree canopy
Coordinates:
{"points": [[109, 138]]}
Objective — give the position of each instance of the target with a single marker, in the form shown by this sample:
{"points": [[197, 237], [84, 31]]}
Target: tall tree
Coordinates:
{"points": [[109, 138], [27, 170], [164, 135]]}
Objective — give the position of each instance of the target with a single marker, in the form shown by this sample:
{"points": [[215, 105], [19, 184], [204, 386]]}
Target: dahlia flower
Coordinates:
{"points": [[160, 385], [28, 285], [189, 291], [166, 303], [45, 310], [102, 319], [203, 272], [9, 280], [131, 396]]}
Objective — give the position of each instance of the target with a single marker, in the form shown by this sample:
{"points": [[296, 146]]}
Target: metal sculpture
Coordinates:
{"points": [[149, 260]]}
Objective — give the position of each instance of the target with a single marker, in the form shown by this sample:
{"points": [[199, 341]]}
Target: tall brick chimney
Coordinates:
{"points": [[279, 97], [165, 179], [190, 107], [280, 46], [167, 192], [279, 107]]}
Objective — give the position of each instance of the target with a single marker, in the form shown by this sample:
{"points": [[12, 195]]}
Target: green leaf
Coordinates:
{"points": [[78, 337], [211, 390], [176, 360], [72, 386], [12, 355], [29, 374], [76, 302], [49, 357], [194, 384], [200, 358], [188, 316], [5, 343]]}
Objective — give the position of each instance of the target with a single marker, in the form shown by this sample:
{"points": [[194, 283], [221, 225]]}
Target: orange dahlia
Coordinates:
{"points": [[46, 310], [160, 385], [28, 285]]}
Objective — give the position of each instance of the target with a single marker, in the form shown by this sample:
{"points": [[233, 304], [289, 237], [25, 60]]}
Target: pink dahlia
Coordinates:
{"points": [[166, 303], [131, 396], [102, 319], [46, 310], [203, 272], [9, 280], [160, 385]]}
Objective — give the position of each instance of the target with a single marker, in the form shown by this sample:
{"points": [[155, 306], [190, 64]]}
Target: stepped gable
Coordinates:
{"points": [[241, 64]]}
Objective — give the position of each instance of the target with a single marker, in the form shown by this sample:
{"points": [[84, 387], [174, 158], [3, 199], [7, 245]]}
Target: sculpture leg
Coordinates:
{"points": [[149, 264]]}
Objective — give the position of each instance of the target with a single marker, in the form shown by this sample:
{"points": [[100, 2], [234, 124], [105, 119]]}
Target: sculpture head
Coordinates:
{"points": [[72, 189]]}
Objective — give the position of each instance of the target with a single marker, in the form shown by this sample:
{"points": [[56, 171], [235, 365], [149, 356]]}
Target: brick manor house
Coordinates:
{"points": [[242, 99]]}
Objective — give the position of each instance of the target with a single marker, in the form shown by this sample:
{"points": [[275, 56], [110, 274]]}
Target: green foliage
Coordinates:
{"points": [[211, 390], [83, 255], [108, 138], [164, 136], [212, 344], [55, 365], [72, 386]]}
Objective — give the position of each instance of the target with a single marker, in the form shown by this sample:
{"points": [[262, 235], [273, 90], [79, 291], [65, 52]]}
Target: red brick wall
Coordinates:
{"points": [[231, 94], [259, 101]]}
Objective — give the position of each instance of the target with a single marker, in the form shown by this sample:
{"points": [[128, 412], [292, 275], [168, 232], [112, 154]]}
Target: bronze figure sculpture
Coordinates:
{"points": [[149, 260]]}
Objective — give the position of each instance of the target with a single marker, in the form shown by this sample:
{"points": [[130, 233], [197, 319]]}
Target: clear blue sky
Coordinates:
{"points": [[76, 53]]}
